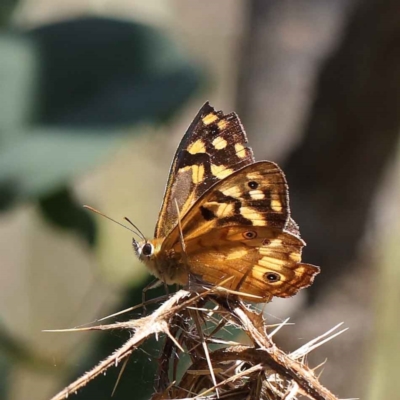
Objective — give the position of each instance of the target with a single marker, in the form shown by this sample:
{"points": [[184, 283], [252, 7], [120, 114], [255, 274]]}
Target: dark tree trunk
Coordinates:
{"points": [[350, 138], [352, 129]]}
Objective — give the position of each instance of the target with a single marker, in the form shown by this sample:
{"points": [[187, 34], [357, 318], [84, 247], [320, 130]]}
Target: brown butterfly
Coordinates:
{"points": [[225, 215]]}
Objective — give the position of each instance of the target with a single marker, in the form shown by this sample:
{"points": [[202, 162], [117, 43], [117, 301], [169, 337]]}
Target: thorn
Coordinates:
{"points": [[312, 344], [278, 328], [320, 365], [120, 375], [167, 332]]}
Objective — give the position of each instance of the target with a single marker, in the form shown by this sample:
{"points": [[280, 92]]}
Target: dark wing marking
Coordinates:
{"points": [[214, 146]]}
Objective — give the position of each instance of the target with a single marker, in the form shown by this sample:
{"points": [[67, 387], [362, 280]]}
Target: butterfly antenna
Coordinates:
{"points": [[113, 220], [138, 230]]}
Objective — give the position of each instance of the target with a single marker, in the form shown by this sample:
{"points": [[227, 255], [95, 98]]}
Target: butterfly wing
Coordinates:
{"points": [[214, 146], [256, 195], [267, 265], [238, 229]]}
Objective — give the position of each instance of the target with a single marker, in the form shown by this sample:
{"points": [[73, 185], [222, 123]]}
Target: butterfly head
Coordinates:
{"points": [[144, 249], [148, 251]]}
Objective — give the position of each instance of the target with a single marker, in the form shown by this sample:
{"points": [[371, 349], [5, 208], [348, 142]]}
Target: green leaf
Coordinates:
{"points": [[61, 209], [94, 78], [109, 72], [18, 83], [43, 162]]}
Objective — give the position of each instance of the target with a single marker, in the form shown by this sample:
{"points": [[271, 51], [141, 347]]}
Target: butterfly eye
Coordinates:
{"points": [[250, 235], [253, 185], [147, 249], [272, 277]]}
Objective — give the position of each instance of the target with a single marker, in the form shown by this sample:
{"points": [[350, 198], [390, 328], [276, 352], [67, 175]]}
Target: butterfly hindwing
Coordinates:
{"points": [[261, 261], [214, 146]]}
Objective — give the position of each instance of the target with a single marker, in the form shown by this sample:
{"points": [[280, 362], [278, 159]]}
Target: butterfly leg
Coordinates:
{"points": [[195, 282], [192, 281]]}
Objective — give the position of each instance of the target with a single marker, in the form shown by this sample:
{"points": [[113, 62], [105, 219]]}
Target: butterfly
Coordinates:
{"points": [[224, 215]]}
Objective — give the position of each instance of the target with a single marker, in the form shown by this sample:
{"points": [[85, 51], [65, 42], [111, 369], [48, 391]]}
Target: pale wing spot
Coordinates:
{"points": [[257, 194], [220, 171], [254, 216], [222, 124], [254, 176], [233, 191], [270, 262], [209, 119], [258, 272], [296, 257], [276, 205], [220, 210], [264, 262], [197, 147], [219, 143], [226, 210], [259, 222], [264, 251], [236, 254], [273, 243], [185, 169], [197, 173], [240, 150]]}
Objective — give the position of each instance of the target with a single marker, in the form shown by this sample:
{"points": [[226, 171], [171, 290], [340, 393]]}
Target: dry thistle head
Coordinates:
{"points": [[191, 324]]}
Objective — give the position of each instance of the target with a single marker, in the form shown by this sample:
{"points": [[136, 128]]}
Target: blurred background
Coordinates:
{"points": [[94, 99]]}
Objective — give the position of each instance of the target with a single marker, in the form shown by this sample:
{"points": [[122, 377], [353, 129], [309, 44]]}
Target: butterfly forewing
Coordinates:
{"points": [[214, 146], [256, 195]]}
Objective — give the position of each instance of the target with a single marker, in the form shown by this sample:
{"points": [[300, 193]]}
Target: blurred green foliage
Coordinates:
{"points": [[71, 93], [6, 8]]}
